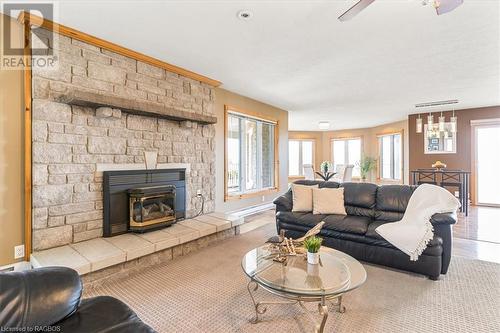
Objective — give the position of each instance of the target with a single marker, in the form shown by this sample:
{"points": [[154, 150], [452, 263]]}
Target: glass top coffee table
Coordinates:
{"points": [[299, 282]]}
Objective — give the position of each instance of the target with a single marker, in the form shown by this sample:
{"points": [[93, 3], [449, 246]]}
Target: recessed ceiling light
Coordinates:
{"points": [[324, 125], [245, 15]]}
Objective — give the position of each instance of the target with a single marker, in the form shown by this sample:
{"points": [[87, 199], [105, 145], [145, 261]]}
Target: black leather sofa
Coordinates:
{"points": [[49, 300], [368, 206]]}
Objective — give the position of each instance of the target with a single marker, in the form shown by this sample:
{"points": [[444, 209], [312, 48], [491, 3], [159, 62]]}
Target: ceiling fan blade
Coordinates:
{"points": [[446, 6], [355, 10]]}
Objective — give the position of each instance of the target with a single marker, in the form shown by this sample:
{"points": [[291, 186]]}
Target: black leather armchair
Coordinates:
{"points": [[369, 206], [49, 300]]}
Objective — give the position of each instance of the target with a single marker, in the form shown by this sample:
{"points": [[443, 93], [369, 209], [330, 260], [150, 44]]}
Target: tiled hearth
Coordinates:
{"points": [[97, 254]]}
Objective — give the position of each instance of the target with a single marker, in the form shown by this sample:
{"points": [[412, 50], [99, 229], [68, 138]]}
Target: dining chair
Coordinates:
{"points": [[339, 173], [348, 173], [309, 172], [454, 180], [426, 177]]}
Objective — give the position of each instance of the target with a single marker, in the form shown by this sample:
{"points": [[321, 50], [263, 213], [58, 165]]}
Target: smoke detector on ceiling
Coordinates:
{"points": [[244, 15], [324, 125]]}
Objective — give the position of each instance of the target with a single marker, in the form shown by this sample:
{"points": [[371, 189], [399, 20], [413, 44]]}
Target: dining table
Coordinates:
{"points": [[446, 178]]}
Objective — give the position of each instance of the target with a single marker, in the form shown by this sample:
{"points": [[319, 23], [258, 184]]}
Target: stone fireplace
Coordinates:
{"points": [[128, 108]]}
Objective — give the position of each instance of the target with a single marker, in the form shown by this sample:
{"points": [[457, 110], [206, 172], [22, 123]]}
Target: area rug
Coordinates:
{"points": [[206, 291]]}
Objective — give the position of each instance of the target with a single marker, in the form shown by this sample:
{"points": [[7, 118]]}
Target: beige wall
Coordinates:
{"points": [[224, 97], [11, 159], [369, 142]]}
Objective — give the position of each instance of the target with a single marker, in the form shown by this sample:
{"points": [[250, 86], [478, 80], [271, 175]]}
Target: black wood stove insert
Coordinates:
{"points": [[143, 200]]}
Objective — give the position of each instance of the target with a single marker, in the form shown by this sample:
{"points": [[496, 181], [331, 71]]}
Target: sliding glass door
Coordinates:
{"points": [[487, 163]]}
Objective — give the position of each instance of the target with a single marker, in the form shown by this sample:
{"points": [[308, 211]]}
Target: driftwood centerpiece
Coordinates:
{"points": [[292, 247]]}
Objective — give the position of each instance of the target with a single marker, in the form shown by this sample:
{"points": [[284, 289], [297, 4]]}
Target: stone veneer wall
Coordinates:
{"points": [[69, 141]]}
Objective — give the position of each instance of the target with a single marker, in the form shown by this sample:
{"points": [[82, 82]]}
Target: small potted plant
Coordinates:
{"points": [[366, 165], [312, 245]]}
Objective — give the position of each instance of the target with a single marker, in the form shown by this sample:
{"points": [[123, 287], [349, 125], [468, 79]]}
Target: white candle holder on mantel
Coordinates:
{"points": [[151, 159]]}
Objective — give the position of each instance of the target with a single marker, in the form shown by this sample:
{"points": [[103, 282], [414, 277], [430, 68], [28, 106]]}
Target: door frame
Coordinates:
{"points": [[476, 124]]}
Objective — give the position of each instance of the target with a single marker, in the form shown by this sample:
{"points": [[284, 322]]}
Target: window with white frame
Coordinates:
{"points": [[347, 152], [300, 153], [390, 156], [250, 155]]}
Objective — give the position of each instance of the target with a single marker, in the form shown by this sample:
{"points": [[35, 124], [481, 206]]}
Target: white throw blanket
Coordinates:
{"points": [[415, 230]]}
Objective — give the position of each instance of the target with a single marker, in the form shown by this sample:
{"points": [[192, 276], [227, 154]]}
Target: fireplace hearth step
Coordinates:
{"points": [[133, 246], [61, 256], [204, 229], [234, 219], [184, 234], [218, 223], [100, 253], [96, 254]]}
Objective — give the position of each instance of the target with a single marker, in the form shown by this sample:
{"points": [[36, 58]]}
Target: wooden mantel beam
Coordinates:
{"points": [[31, 19], [95, 100]]}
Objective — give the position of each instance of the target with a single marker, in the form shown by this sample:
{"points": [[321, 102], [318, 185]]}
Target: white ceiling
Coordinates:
{"points": [[297, 56]]}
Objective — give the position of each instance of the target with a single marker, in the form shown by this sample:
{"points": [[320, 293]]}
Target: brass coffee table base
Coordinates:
{"points": [[261, 308]]}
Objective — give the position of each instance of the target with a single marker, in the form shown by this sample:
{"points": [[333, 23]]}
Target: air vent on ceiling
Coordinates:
{"points": [[437, 103]]}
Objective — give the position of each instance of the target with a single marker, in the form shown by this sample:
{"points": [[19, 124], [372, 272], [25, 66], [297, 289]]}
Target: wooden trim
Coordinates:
{"points": [[146, 108], [250, 114], [389, 133], [30, 19], [275, 188], [27, 142]]}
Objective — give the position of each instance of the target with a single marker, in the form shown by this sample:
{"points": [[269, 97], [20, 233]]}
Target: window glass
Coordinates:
{"points": [[233, 154], [386, 157], [397, 156], [347, 152], [250, 154], [339, 151], [307, 152], [300, 153], [267, 155], [390, 159], [354, 155], [293, 158]]}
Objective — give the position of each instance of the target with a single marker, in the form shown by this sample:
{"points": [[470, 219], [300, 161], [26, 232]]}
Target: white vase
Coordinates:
{"points": [[151, 158], [312, 270], [313, 258]]}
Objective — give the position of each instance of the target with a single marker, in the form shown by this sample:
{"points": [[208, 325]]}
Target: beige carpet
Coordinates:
{"points": [[206, 292]]}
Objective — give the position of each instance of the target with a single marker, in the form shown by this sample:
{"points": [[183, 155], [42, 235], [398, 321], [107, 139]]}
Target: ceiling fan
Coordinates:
{"points": [[442, 7]]}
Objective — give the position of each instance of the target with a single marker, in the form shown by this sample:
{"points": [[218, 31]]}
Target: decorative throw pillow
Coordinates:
{"points": [[328, 201], [302, 198]]}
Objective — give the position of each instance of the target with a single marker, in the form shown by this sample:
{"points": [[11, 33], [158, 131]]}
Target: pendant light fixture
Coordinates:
{"points": [[419, 124], [430, 122], [431, 130], [441, 122], [453, 121]]}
